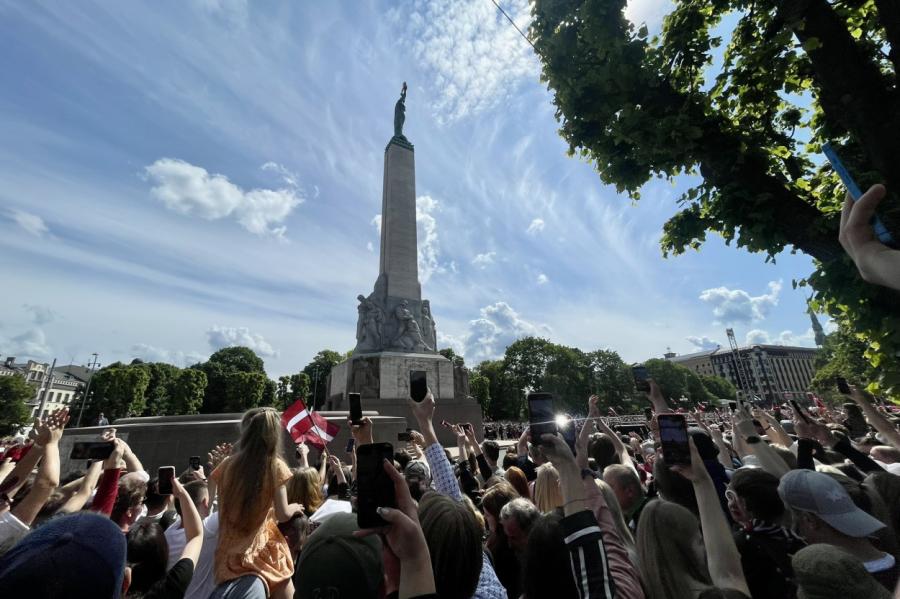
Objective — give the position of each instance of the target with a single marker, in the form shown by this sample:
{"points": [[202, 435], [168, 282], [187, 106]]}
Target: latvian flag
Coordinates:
{"points": [[308, 427]]}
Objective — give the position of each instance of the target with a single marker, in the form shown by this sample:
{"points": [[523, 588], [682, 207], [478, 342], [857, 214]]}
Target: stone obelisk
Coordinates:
{"points": [[395, 331]]}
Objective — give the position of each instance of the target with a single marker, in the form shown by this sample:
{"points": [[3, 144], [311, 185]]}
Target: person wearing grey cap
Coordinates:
{"points": [[824, 513]]}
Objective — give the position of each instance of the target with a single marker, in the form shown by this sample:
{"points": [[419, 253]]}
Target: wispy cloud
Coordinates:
{"points": [[40, 314], [192, 190], [149, 353], [31, 223], [488, 336], [429, 244], [476, 59], [536, 226], [484, 260], [703, 343], [759, 336], [542, 279]]}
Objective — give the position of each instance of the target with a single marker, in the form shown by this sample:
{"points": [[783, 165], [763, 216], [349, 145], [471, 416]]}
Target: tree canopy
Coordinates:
{"points": [[747, 116], [318, 371], [14, 392]]}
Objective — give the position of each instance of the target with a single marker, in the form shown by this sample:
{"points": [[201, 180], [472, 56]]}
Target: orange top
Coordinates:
{"points": [[256, 546]]}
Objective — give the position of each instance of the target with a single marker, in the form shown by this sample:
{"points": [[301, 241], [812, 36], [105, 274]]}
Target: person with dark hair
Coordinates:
{"points": [[159, 507], [203, 581], [673, 487], [545, 555], [506, 562], [765, 545], [602, 448], [147, 555], [454, 542]]}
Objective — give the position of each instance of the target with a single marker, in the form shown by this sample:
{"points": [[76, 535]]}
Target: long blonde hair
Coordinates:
{"points": [[253, 466], [305, 487], [547, 494], [668, 563], [615, 509]]}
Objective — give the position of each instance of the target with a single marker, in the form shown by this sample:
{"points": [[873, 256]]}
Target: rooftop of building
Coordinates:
{"points": [[768, 348]]}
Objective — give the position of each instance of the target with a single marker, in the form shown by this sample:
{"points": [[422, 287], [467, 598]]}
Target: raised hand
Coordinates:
{"points": [[218, 454], [363, 432], [50, 430], [696, 470], [876, 262]]}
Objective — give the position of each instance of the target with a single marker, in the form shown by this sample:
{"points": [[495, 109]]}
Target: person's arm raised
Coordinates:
{"points": [[441, 470], [302, 451], [405, 540], [656, 398], [192, 523], [48, 435], [776, 432], [86, 486], [875, 418], [768, 457], [876, 262], [722, 556]]}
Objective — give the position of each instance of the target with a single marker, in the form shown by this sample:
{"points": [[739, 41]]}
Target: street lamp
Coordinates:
{"points": [[92, 366], [315, 385]]}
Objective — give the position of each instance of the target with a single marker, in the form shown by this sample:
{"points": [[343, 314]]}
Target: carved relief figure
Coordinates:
{"points": [[369, 325], [409, 335], [430, 332]]}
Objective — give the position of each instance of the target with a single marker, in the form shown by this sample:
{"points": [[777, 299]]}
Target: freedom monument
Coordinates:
{"points": [[395, 330]]}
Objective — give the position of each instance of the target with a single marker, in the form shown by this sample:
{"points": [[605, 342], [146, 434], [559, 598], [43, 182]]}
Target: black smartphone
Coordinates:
{"points": [[405, 437], [355, 408], [91, 450], [194, 462], [673, 437], [842, 385], [648, 413], [418, 385], [374, 487], [165, 476], [732, 405], [799, 411], [351, 443], [541, 419], [641, 378]]}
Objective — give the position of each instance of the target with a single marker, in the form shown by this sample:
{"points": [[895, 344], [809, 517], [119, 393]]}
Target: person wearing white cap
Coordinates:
{"points": [[824, 513]]}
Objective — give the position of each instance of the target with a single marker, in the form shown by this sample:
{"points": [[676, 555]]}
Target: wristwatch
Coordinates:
{"points": [[753, 439]]}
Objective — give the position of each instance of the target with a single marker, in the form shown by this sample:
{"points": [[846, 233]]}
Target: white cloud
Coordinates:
{"points": [[758, 336], [30, 344], [40, 314], [31, 223], [475, 57], [702, 343], [453, 342], [429, 245], [484, 260], [650, 12], [536, 226], [376, 222], [149, 353], [220, 337], [192, 190], [542, 279], [370, 247], [736, 305], [290, 178], [489, 335]]}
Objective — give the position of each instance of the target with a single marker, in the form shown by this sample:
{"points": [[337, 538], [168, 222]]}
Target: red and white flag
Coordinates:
{"points": [[308, 427]]}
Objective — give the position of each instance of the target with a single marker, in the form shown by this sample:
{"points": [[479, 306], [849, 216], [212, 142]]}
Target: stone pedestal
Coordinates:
{"points": [[382, 380]]}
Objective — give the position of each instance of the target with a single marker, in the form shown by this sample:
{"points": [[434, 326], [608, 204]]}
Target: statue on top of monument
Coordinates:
{"points": [[400, 113], [430, 332], [369, 325], [409, 334]]}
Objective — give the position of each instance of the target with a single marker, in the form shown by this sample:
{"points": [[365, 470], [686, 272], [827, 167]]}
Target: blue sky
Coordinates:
{"points": [[183, 176]]}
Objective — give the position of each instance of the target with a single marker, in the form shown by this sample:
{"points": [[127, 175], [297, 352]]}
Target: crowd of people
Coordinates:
{"points": [[783, 503], [792, 502]]}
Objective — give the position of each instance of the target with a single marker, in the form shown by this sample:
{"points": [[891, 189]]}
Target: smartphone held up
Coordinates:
{"points": [[375, 488], [641, 378], [673, 437], [165, 476], [418, 385]]}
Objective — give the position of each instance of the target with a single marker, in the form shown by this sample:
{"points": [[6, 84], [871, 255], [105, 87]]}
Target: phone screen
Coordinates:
{"points": [[418, 385], [165, 474], [355, 408], [842, 385], [541, 419], [881, 232], [194, 462], [641, 376], [351, 443], [648, 414], [732, 405], [673, 437], [374, 487], [405, 437], [91, 450]]}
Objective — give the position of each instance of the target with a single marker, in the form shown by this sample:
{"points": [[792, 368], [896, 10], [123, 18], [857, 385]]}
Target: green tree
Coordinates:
{"points": [[718, 387], [14, 392], [611, 380], [318, 371], [244, 390], [220, 366], [480, 388], [451, 355], [157, 396], [696, 391], [793, 75], [186, 390], [669, 377], [504, 399], [118, 391], [842, 355]]}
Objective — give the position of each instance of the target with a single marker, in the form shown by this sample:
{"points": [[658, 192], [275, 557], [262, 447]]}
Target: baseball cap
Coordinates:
{"points": [[73, 557], [818, 493], [334, 563]]}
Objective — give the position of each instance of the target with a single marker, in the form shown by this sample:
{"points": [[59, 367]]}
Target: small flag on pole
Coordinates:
{"points": [[308, 427]]}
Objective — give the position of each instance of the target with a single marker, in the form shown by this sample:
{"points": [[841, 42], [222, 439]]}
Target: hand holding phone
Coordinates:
{"points": [[418, 385], [91, 450], [641, 378], [541, 419], [355, 408], [165, 476], [673, 437], [842, 385]]}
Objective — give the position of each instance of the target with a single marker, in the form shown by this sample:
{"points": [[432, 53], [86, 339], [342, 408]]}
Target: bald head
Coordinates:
{"points": [[625, 484]]}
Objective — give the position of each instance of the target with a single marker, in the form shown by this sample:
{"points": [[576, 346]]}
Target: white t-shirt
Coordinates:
{"points": [[204, 581]]}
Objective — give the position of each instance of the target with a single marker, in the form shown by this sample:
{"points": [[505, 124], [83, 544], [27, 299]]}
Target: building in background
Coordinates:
{"points": [[63, 389], [775, 373]]}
